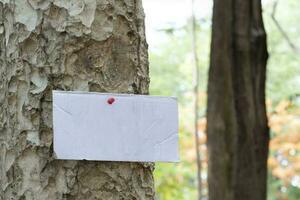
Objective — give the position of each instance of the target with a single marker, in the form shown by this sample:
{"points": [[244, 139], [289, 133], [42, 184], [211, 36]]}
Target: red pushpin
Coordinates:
{"points": [[111, 100]]}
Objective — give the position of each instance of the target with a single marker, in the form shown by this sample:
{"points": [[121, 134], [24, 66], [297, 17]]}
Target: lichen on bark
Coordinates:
{"points": [[86, 45]]}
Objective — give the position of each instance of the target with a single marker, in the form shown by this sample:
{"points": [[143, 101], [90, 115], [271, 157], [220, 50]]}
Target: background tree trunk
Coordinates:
{"points": [[87, 45], [237, 129]]}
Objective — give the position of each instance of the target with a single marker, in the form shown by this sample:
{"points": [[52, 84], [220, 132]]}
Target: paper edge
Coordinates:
{"points": [[113, 94], [138, 161]]}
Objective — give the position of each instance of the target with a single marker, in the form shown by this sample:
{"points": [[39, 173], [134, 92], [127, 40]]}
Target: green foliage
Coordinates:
{"points": [[276, 190], [175, 181], [283, 67], [171, 64], [172, 74]]}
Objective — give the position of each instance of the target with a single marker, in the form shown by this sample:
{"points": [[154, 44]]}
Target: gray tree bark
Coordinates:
{"points": [[237, 127], [86, 45]]}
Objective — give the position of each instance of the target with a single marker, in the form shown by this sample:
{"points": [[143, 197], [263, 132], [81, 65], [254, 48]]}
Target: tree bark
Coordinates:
{"points": [[237, 129], [86, 45]]}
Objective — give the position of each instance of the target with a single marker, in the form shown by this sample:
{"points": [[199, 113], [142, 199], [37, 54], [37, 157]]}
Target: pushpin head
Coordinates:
{"points": [[111, 100]]}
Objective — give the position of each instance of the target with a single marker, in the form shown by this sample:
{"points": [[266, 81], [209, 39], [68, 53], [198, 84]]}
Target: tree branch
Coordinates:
{"points": [[281, 30], [196, 103]]}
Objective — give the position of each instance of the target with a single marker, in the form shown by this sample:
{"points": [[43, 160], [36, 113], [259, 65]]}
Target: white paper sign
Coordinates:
{"points": [[115, 127]]}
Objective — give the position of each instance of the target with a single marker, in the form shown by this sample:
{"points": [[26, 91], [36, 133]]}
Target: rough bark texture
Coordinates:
{"points": [[237, 129], [87, 45]]}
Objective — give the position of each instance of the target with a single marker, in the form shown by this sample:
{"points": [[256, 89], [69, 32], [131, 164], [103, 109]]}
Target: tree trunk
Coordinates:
{"points": [[86, 45], [238, 133]]}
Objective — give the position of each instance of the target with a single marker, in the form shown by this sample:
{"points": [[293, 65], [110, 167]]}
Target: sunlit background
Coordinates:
{"points": [[168, 25]]}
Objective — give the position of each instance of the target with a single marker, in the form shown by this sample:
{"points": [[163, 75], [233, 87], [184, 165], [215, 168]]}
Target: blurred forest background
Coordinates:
{"points": [[168, 25]]}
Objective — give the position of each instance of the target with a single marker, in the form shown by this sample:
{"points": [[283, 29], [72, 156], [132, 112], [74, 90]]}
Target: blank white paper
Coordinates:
{"points": [[88, 125]]}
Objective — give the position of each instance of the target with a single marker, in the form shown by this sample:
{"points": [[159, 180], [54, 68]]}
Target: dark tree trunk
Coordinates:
{"points": [[237, 129]]}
